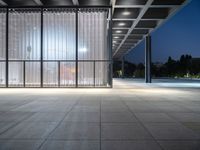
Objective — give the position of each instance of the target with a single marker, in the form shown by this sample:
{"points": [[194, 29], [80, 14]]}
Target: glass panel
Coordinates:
{"points": [[67, 74], [24, 34], [102, 77], [92, 34], [2, 74], [2, 34], [85, 74], [15, 74], [50, 74], [2, 46], [59, 34], [32, 70]]}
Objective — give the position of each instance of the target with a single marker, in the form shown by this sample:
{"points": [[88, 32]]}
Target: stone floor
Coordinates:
{"points": [[131, 116]]}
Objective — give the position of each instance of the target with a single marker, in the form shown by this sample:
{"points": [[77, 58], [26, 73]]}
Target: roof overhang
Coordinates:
{"points": [[132, 19]]}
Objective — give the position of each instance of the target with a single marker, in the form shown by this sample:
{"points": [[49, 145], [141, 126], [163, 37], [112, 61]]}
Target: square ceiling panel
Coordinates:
{"points": [[126, 13], [118, 37], [120, 31], [130, 41], [122, 24], [140, 31], [127, 46], [135, 37], [94, 2], [131, 2], [146, 24], [156, 13], [168, 2], [116, 42]]}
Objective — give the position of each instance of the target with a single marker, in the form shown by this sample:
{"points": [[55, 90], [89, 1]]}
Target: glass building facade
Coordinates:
{"points": [[55, 47]]}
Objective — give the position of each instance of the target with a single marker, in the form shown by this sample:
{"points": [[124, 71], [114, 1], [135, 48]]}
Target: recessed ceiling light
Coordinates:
{"points": [[121, 24], [114, 41], [126, 13], [116, 37], [118, 31]]}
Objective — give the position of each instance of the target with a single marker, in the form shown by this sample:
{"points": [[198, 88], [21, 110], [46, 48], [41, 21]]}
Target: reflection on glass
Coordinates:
{"points": [[67, 73]]}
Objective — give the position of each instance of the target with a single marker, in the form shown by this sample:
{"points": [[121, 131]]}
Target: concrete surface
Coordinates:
{"points": [[131, 116]]}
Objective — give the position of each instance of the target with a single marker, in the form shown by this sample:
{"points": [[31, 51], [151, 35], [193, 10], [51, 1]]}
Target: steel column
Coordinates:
{"points": [[76, 47], [58, 73], [24, 73], [7, 73], [41, 59], [148, 59], [94, 75], [110, 40]]}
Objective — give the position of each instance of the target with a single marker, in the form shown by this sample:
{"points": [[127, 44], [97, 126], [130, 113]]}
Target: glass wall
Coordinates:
{"points": [[92, 47], [24, 52], [55, 47], [2, 47], [59, 44]]}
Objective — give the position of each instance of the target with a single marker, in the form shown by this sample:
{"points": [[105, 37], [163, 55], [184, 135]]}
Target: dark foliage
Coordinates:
{"points": [[186, 66]]}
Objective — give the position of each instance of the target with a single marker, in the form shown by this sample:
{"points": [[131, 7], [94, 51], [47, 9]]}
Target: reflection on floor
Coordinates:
{"points": [[131, 116]]}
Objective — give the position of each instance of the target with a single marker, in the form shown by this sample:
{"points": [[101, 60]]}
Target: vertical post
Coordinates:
{"points": [[58, 73], [148, 59], [7, 11], [123, 67], [41, 48], [94, 71], [24, 73], [110, 48], [77, 47]]}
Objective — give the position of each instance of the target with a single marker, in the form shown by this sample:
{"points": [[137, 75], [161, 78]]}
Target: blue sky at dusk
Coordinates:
{"points": [[179, 35]]}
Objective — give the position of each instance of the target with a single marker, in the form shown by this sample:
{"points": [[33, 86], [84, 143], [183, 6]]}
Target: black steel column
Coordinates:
{"points": [[110, 48], [94, 72], [7, 11], [24, 73], [77, 47], [58, 73], [123, 67], [41, 48], [148, 59]]}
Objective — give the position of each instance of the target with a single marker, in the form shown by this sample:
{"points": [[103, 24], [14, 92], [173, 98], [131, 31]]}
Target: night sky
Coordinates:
{"points": [[179, 35]]}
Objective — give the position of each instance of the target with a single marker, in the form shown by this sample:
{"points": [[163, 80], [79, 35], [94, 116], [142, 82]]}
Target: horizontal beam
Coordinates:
{"points": [[142, 6], [143, 19], [120, 28], [57, 6]]}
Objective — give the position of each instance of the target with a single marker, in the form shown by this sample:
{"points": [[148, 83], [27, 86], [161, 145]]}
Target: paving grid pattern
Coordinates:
{"points": [[131, 116]]}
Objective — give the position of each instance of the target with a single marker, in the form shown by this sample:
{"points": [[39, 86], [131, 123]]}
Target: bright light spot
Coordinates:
{"points": [[116, 37], [118, 31], [83, 49], [126, 13], [114, 41], [121, 24]]}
